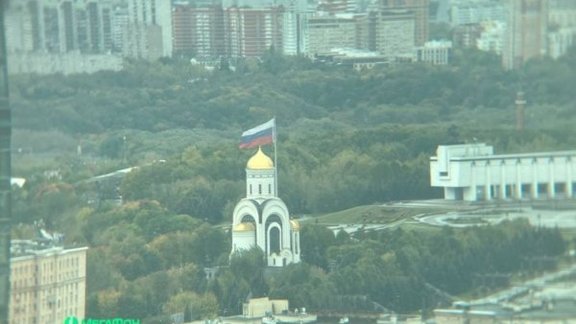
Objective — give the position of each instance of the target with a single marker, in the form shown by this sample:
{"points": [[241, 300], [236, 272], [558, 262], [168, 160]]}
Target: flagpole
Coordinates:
{"points": [[275, 160]]}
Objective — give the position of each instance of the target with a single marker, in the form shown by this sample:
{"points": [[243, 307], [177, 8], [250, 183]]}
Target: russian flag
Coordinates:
{"points": [[259, 135]]}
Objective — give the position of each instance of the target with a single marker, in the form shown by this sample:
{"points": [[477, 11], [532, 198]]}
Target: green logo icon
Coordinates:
{"points": [[71, 320]]}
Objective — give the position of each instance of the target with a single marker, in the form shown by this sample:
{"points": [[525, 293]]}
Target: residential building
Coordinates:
{"points": [[391, 33], [476, 11], [148, 30], [251, 32], [420, 12], [59, 26], [472, 172], [326, 33], [561, 27], [199, 30], [466, 36], [136, 28], [47, 283], [526, 35], [492, 36], [294, 25], [560, 41], [334, 7]]}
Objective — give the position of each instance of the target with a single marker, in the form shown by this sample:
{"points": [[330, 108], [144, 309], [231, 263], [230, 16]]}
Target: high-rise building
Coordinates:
{"points": [[198, 30], [420, 11], [148, 32], [391, 33], [294, 25], [60, 26], [476, 11], [133, 28], [253, 31], [561, 27], [47, 284], [526, 36], [326, 33], [334, 7]]}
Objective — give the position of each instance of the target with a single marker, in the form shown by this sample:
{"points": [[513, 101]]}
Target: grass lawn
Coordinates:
{"points": [[374, 214]]}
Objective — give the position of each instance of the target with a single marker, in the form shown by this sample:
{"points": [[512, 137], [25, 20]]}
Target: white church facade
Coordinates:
{"points": [[261, 219], [472, 172]]}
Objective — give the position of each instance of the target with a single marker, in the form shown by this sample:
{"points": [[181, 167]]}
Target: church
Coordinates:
{"points": [[262, 219]]}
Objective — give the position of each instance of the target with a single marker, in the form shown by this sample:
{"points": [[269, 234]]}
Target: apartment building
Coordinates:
{"points": [[391, 33], [47, 283], [476, 11], [420, 12], [326, 33], [198, 30], [252, 31], [526, 35]]}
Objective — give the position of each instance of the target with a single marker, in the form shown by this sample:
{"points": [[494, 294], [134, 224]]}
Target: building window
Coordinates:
{"points": [[542, 189], [259, 189], [274, 240], [269, 189], [443, 174]]}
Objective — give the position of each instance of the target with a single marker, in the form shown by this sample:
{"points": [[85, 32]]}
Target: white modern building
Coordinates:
{"points": [[472, 172], [262, 220], [435, 52]]}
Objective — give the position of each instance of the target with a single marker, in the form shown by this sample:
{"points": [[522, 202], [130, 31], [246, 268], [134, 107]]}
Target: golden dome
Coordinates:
{"points": [[295, 225], [244, 227], [260, 161]]}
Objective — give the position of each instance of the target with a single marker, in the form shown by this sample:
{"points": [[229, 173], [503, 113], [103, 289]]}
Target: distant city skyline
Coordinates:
{"points": [[74, 36]]}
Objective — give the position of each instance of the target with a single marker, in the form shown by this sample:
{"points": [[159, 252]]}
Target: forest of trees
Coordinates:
{"points": [[346, 138]]}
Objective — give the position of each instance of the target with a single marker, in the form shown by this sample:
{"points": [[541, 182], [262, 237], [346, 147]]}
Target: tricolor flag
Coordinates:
{"points": [[259, 135]]}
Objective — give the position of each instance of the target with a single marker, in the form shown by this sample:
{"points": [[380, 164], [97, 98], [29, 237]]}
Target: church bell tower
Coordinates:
{"points": [[262, 219]]}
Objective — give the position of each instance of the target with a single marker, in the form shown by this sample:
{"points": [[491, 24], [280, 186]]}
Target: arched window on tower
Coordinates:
{"points": [[259, 189], [273, 230], [269, 189], [250, 189]]}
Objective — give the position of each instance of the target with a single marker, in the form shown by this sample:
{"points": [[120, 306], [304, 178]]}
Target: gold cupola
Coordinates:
{"points": [[260, 161], [295, 225], [244, 227]]}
